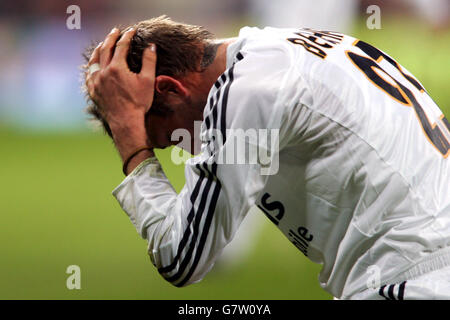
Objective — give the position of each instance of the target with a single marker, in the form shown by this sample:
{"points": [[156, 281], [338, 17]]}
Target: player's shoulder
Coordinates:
{"points": [[269, 57], [257, 63], [261, 49]]}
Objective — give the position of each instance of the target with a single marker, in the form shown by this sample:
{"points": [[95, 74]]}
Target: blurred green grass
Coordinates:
{"points": [[57, 209]]}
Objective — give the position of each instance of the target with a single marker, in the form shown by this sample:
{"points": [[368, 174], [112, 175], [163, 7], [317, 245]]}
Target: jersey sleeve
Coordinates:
{"points": [[186, 232]]}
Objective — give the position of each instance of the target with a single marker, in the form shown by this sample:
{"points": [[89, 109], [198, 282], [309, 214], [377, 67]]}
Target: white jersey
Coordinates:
{"points": [[362, 169]]}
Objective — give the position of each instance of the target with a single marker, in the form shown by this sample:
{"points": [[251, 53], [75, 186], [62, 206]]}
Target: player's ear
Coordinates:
{"points": [[166, 85]]}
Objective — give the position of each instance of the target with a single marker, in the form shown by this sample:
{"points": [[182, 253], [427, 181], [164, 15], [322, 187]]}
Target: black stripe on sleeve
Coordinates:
{"points": [[381, 292], [213, 102], [401, 291], [211, 118], [206, 226], [211, 177], [391, 292], [214, 110], [198, 218], [223, 120], [207, 120], [187, 232], [193, 197]]}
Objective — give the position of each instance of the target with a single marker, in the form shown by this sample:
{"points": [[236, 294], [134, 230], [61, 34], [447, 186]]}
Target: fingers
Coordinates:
{"points": [[122, 47], [106, 50], [95, 58], [102, 55], [90, 86], [149, 62]]}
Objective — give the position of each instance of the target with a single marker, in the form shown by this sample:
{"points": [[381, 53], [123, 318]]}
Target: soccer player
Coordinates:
{"points": [[351, 152]]}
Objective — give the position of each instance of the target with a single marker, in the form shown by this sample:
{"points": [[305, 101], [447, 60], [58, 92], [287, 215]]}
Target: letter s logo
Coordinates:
{"points": [[267, 207]]}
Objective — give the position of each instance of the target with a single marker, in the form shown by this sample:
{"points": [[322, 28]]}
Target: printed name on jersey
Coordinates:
{"points": [[315, 41], [275, 210]]}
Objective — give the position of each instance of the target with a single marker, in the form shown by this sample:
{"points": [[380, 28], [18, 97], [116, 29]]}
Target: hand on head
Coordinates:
{"points": [[119, 93]]}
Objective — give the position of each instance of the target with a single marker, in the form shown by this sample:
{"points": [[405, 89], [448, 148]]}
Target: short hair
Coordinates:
{"points": [[181, 48]]}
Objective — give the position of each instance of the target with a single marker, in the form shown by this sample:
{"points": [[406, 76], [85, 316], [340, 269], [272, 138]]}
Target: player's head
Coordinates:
{"points": [[183, 50]]}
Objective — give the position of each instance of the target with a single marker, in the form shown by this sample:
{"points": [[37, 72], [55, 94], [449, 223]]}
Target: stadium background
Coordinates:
{"points": [[57, 173]]}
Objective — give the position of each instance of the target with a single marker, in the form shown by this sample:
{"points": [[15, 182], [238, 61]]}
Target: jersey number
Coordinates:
{"points": [[439, 132]]}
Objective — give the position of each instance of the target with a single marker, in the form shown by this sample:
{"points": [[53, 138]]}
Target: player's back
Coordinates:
{"points": [[364, 173]]}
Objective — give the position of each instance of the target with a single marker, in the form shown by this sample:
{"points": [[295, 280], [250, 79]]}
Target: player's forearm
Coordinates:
{"points": [[129, 136], [155, 209], [181, 253], [145, 194]]}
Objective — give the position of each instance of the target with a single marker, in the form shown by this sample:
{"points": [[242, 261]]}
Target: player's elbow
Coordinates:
{"points": [[177, 266], [179, 280], [178, 272]]}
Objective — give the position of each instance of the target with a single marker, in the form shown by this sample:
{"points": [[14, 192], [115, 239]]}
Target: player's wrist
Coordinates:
{"points": [[126, 124], [135, 158], [130, 136]]}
